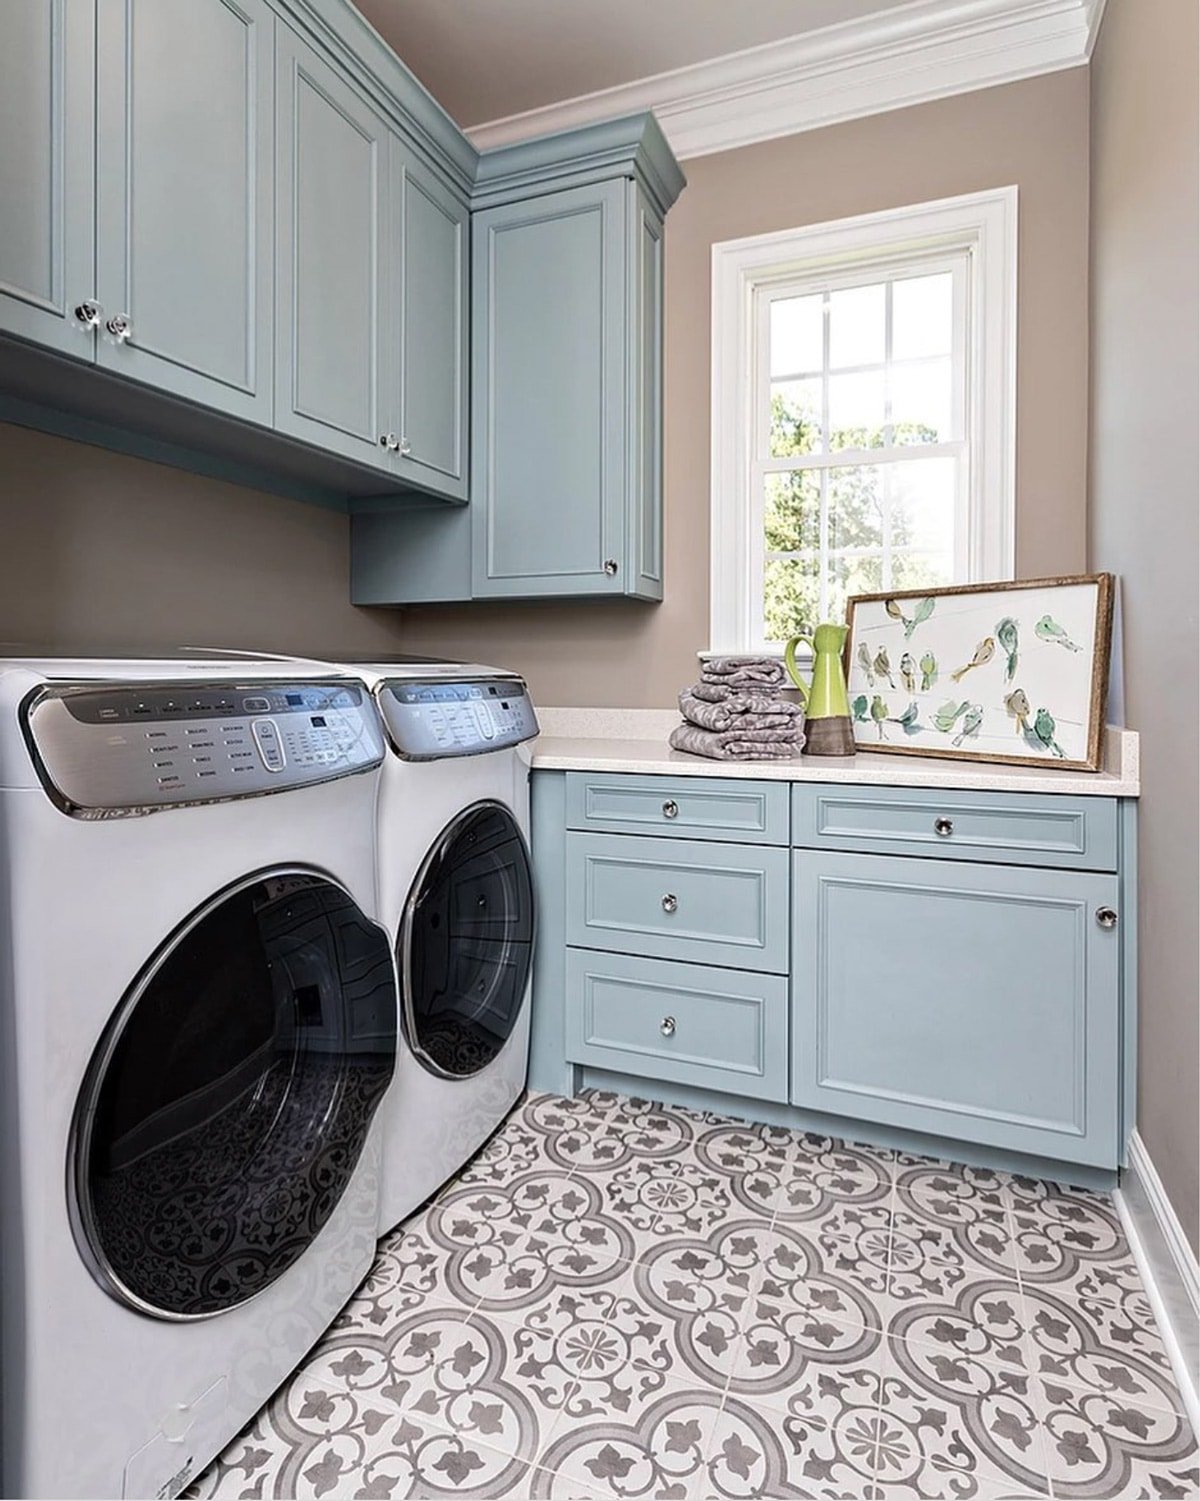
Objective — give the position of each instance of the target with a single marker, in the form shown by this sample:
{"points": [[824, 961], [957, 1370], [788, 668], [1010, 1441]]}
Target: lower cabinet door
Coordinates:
{"points": [[971, 1001], [685, 1023]]}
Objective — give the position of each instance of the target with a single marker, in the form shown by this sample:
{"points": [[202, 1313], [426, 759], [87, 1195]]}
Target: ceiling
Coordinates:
{"points": [[485, 59]]}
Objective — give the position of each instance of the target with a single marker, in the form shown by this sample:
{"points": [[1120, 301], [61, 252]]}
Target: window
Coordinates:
{"points": [[862, 413]]}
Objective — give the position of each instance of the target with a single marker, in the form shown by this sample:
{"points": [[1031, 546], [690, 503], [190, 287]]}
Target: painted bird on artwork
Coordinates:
{"points": [[879, 713], [946, 717], [883, 667], [929, 671], [1016, 704], [1043, 728], [908, 673], [984, 652], [1007, 634], [970, 724], [864, 661], [1048, 629]]}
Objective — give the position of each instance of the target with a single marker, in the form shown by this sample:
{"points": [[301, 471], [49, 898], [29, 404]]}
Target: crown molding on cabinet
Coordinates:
{"points": [[918, 52]]}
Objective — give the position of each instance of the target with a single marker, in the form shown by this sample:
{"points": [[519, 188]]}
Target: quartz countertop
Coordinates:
{"points": [[635, 740]]}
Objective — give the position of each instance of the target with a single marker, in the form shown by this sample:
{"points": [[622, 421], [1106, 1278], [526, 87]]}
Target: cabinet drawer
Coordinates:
{"points": [[687, 1023], [680, 807], [706, 903], [964, 1000], [1013, 829]]}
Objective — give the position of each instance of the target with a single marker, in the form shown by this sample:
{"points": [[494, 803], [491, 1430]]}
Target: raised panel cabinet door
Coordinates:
{"points": [[330, 285], [47, 129], [184, 206], [971, 1001], [428, 249], [549, 339]]}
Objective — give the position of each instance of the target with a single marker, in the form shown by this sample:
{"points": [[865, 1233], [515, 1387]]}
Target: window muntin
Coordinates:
{"points": [[860, 458]]}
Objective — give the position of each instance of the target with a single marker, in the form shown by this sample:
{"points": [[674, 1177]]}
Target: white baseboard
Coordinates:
{"points": [[1168, 1266]]}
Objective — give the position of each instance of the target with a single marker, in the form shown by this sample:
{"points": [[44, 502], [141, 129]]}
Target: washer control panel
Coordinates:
{"points": [[103, 749], [427, 720]]}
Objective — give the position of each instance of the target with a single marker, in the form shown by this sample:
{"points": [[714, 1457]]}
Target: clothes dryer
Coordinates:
{"points": [[198, 1021]]}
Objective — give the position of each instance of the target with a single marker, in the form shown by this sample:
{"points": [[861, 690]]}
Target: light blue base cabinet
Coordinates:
{"points": [[971, 996]]}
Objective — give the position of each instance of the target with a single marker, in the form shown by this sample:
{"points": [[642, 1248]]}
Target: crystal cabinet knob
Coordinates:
{"points": [[120, 327], [667, 1026], [1106, 917], [390, 442], [943, 827], [89, 313], [610, 567], [404, 448], [670, 808], [670, 903]]}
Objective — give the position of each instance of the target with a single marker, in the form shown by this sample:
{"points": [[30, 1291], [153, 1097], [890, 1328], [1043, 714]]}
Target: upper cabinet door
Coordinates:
{"points": [[427, 253], [549, 345], [47, 121], [184, 198], [330, 283]]}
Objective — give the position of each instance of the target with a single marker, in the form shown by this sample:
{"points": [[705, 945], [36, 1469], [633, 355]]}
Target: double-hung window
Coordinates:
{"points": [[862, 422]]}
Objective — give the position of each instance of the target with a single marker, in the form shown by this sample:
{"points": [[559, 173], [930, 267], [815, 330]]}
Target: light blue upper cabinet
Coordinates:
{"points": [[331, 278], [980, 1002], [429, 256], [550, 413], [47, 127], [184, 203], [566, 384]]}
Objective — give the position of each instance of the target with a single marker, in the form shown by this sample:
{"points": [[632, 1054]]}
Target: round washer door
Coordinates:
{"points": [[466, 943], [226, 1106]]}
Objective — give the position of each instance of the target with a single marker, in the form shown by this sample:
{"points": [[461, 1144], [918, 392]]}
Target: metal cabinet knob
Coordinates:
{"points": [[944, 827], [120, 327], [610, 567], [670, 808], [667, 1026], [89, 313], [670, 902], [1106, 917]]}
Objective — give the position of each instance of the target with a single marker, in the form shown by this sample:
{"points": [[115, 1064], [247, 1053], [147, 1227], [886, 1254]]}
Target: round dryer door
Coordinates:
{"points": [[466, 943], [226, 1107]]}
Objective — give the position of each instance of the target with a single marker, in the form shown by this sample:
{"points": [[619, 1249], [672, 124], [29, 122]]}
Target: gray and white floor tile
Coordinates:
{"points": [[628, 1300]]}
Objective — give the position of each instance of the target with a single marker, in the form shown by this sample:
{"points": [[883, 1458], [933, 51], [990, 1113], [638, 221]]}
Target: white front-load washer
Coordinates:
{"points": [[198, 1023], [456, 895]]}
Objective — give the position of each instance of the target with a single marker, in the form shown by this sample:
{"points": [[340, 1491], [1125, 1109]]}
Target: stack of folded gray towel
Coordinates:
{"points": [[736, 712]]}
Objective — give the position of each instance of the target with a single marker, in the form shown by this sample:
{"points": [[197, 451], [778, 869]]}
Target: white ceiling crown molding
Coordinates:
{"points": [[907, 55]]}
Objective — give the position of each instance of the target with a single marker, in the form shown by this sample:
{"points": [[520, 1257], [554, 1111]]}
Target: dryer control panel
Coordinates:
{"points": [[429, 719], [105, 749]]}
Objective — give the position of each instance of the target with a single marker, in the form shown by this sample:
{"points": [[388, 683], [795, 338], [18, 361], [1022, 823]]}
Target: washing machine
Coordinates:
{"points": [[456, 895], [198, 1023]]}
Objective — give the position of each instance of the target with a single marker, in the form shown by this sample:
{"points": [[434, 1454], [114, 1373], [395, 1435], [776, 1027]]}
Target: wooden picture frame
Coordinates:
{"points": [[1023, 673]]}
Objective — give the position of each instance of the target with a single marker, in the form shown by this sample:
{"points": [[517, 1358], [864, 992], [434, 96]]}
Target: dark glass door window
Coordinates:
{"points": [[227, 1105], [466, 943]]}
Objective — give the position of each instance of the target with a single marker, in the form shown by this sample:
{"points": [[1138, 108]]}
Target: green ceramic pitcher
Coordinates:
{"points": [[826, 695]]}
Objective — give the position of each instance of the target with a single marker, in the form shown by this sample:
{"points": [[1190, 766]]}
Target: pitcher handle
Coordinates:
{"points": [[789, 661]]}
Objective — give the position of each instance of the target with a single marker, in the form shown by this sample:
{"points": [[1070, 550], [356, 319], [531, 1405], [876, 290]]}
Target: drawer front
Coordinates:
{"points": [[973, 1001], [705, 903], [679, 807], [687, 1023], [1077, 833]]}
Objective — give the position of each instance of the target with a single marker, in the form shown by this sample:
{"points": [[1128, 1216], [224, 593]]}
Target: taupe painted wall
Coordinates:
{"points": [[114, 552], [1034, 134], [1145, 480]]}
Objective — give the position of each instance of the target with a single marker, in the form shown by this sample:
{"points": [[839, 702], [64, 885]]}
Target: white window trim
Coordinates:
{"points": [[985, 224]]}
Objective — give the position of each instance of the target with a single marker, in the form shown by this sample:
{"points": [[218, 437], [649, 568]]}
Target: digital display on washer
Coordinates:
{"points": [[429, 720]]}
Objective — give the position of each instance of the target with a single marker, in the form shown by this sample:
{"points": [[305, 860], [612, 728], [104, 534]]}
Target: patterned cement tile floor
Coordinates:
{"points": [[623, 1300]]}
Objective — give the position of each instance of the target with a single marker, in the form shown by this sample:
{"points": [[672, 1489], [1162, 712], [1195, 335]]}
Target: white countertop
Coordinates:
{"points": [[635, 740]]}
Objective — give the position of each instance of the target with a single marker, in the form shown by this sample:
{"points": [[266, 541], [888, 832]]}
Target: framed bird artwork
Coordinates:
{"points": [[1014, 672]]}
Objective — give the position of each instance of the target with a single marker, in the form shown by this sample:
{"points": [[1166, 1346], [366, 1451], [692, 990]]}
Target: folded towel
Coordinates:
{"points": [[756, 699], [743, 711], [737, 745], [745, 672]]}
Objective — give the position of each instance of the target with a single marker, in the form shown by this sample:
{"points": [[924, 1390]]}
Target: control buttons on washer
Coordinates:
{"points": [[483, 719], [266, 737], [256, 705]]}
